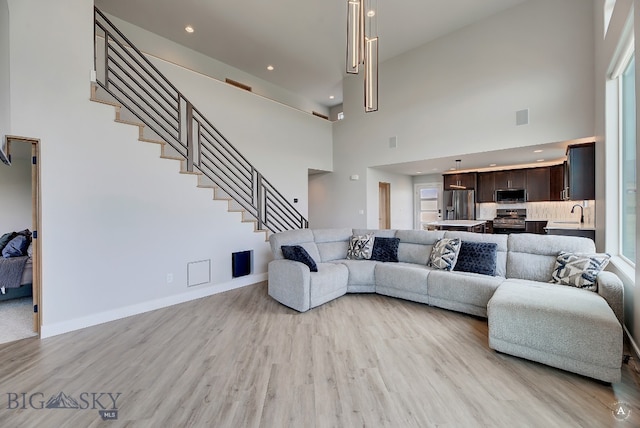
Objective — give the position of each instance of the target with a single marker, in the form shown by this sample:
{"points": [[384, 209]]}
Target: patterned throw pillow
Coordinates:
{"points": [[385, 249], [477, 257], [299, 254], [360, 247], [444, 253], [579, 270]]}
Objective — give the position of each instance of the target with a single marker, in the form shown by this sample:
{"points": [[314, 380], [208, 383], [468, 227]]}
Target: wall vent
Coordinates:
{"points": [[238, 84], [324, 116], [198, 272]]}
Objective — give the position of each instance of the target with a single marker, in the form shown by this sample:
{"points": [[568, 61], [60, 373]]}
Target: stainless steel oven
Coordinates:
{"points": [[510, 220]]}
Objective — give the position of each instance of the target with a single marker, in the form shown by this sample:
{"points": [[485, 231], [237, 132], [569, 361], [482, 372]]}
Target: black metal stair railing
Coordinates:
{"points": [[134, 82]]}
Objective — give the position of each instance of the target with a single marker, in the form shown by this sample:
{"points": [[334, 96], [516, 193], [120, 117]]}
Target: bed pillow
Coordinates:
{"points": [[385, 249], [477, 257], [4, 239], [360, 247], [444, 253], [299, 254], [578, 269], [17, 247]]}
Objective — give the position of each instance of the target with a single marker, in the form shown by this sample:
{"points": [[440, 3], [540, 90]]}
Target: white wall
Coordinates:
{"points": [[15, 190], [459, 95], [401, 199], [5, 111], [116, 219], [282, 142], [170, 51]]}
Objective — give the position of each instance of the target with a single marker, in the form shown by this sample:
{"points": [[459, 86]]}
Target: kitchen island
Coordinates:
{"points": [[478, 226], [571, 228]]}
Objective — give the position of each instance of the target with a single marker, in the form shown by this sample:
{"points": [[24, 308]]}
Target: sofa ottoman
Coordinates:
{"points": [[561, 326]]}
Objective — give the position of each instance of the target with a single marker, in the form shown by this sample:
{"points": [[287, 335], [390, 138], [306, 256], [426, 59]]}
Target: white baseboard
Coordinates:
{"points": [[127, 311], [634, 345]]}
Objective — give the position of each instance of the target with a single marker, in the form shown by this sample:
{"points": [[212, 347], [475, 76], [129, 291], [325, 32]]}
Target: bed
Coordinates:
{"points": [[16, 265], [26, 284]]}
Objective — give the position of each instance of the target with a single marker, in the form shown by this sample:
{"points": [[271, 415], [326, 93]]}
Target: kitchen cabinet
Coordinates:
{"points": [[488, 227], [536, 226], [556, 182], [486, 187], [580, 179], [538, 184], [459, 181], [510, 179]]}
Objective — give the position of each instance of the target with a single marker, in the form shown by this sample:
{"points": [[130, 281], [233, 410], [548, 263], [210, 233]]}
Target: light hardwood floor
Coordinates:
{"points": [[240, 359]]}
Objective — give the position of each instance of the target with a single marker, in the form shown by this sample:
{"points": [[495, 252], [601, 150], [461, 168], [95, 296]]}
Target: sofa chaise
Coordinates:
{"points": [[573, 328]]}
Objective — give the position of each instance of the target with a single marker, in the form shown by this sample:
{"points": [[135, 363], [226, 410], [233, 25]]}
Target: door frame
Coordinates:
{"points": [[35, 224], [384, 205]]}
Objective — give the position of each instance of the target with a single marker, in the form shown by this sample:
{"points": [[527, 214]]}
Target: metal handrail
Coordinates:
{"points": [[134, 82]]}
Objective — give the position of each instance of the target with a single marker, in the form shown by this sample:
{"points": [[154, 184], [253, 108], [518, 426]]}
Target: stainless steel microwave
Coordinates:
{"points": [[511, 196]]}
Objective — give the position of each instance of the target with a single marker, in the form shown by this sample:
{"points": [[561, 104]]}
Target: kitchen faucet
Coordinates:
{"points": [[581, 211]]}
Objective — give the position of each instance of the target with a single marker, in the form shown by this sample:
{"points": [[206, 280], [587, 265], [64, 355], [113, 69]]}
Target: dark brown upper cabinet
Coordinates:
{"points": [[580, 177], [556, 185], [486, 187], [538, 184], [465, 180], [510, 179]]}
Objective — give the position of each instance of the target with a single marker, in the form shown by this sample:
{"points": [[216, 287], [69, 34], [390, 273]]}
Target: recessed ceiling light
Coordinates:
{"points": [[331, 97], [270, 67], [539, 160], [537, 151], [493, 164], [189, 29], [371, 13], [418, 172], [452, 169]]}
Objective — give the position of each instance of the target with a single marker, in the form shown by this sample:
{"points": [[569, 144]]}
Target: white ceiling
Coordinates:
{"points": [[306, 43], [304, 40], [520, 157]]}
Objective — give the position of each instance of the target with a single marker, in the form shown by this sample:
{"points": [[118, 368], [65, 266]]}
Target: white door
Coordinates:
{"points": [[427, 203]]}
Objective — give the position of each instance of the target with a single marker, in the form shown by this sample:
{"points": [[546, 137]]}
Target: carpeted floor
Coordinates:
{"points": [[16, 319]]}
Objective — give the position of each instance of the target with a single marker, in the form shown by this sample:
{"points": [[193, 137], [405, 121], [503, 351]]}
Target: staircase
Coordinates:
{"points": [[142, 96]]}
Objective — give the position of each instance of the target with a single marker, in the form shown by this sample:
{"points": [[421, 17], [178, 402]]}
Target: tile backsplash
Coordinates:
{"points": [[542, 210]]}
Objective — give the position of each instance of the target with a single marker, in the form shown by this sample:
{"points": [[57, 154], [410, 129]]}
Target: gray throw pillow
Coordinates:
{"points": [[444, 253], [578, 269], [360, 247]]}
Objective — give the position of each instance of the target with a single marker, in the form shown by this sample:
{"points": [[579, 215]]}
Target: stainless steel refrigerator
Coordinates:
{"points": [[459, 205]]}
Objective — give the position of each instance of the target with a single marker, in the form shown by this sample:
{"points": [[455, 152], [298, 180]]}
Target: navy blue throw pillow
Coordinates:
{"points": [[17, 247], [4, 239], [385, 249], [299, 254], [477, 257]]}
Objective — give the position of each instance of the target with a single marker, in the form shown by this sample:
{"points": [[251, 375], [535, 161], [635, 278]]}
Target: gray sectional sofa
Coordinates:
{"points": [[562, 326]]}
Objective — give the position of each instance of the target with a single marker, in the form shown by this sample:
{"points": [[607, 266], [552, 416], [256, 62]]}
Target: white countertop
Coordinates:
{"points": [[570, 225], [463, 223]]}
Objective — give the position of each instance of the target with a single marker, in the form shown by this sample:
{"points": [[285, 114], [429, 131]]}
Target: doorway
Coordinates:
{"points": [[24, 154], [384, 209]]}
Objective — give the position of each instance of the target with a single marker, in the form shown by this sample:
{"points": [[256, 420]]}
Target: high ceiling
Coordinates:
{"points": [[305, 41]]}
